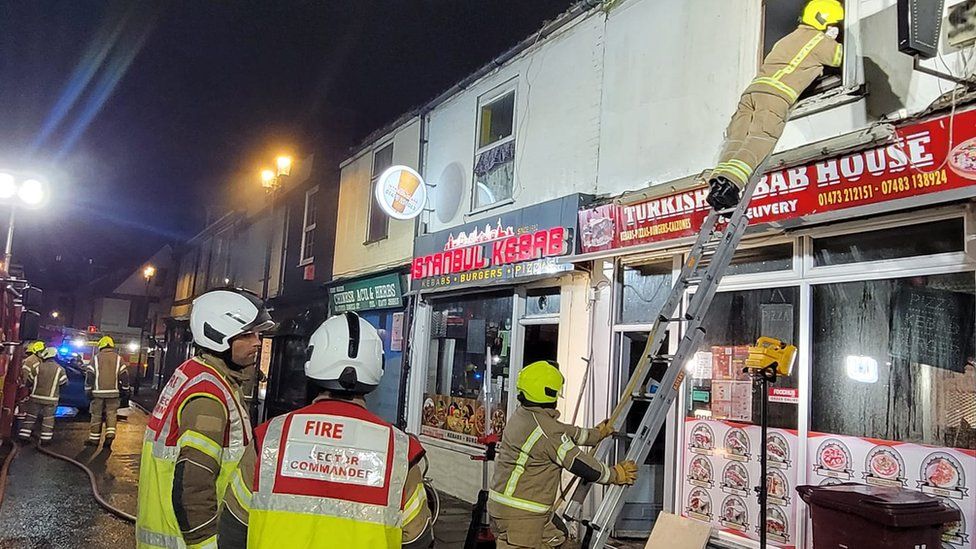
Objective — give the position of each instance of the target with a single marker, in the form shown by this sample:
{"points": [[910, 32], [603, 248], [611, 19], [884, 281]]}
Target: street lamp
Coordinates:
{"points": [[29, 192], [148, 273], [55, 314], [271, 181]]}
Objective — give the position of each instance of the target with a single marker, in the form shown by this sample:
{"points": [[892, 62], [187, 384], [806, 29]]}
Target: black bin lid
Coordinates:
{"points": [[895, 507]]}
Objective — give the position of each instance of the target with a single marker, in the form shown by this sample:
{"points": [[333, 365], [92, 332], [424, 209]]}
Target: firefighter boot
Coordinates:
{"points": [[724, 194]]}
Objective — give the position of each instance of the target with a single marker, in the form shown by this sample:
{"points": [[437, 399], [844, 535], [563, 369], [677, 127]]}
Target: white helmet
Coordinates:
{"points": [[220, 315], [48, 353], [345, 354]]}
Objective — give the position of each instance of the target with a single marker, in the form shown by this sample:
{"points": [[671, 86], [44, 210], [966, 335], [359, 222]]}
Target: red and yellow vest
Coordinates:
{"points": [[330, 475], [156, 524]]}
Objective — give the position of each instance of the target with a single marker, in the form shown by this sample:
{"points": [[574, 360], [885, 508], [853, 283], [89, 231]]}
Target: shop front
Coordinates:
{"points": [[865, 262], [491, 298], [379, 299]]}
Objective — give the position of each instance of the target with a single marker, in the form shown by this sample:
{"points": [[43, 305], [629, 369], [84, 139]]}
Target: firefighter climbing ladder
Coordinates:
{"points": [[702, 271]]}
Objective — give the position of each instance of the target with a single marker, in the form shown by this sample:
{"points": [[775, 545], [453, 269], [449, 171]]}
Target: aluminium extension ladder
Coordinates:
{"points": [[709, 258]]}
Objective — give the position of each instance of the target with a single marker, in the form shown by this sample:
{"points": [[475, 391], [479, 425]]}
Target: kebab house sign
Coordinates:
{"points": [[518, 244], [921, 160]]}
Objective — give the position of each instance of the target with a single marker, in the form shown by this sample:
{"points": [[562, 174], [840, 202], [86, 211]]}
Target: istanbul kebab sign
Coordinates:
{"points": [[518, 244], [922, 160]]}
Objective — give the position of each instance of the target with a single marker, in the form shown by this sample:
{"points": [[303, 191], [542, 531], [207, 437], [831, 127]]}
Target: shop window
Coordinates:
{"points": [[468, 336], [895, 243], [766, 259], [379, 222], [893, 360], [308, 226], [780, 17], [644, 288], [718, 387], [494, 163]]}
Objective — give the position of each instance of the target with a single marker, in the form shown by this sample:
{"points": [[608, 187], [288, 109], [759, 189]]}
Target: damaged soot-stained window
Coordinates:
{"points": [[893, 359]]}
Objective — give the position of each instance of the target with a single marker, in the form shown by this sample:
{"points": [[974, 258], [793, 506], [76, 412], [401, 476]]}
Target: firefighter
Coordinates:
{"points": [[192, 492], [45, 382], [28, 369], [346, 478], [534, 450], [106, 380], [794, 63]]}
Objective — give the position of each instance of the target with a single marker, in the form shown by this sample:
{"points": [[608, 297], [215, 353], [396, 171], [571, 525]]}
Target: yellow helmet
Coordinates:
{"points": [[105, 341], [540, 382], [35, 347], [821, 14]]}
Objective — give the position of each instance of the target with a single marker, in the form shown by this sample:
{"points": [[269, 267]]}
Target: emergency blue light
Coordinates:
{"points": [[64, 350]]}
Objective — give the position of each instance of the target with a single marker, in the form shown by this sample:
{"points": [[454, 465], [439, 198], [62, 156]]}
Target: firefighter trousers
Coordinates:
{"points": [[535, 532], [752, 134], [109, 408], [38, 413]]}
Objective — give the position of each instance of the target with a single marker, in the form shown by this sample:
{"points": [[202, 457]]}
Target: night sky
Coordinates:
{"points": [[142, 114]]}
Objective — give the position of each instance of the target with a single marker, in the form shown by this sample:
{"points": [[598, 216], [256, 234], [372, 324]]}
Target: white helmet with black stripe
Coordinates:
{"points": [[220, 315], [345, 354]]}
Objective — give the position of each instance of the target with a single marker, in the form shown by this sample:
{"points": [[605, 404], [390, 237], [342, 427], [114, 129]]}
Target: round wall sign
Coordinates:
{"points": [[401, 193]]}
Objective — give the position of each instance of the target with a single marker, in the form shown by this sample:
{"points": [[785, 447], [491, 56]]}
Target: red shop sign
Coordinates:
{"points": [[914, 164]]}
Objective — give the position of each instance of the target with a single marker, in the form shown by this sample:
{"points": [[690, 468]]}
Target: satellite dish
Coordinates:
{"points": [[446, 196]]}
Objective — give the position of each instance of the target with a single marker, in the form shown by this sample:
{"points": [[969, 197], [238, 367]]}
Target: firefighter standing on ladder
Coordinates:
{"points": [[794, 63], [534, 450], [106, 379]]}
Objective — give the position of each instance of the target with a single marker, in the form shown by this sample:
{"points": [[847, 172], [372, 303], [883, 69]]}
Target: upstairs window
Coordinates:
{"points": [[379, 222], [494, 159], [781, 17], [308, 227]]}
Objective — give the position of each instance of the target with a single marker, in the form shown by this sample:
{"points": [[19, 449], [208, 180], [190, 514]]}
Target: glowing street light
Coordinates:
{"points": [[31, 192], [267, 179], [148, 272], [133, 346], [284, 165], [8, 186], [55, 314]]}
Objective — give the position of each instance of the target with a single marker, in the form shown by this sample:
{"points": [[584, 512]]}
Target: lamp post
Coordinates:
{"points": [[28, 192], [271, 181], [147, 273]]}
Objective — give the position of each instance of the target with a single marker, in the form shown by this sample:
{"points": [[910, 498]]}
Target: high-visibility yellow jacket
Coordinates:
{"points": [[166, 440], [333, 475]]}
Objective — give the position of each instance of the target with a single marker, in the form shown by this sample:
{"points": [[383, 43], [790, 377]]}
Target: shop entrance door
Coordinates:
{"points": [[383, 401], [645, 500]]}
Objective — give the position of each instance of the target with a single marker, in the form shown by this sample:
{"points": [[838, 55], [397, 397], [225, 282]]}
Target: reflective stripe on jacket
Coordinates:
{"points": [[156, 523], [795, 62], [534, 450], [49, 376], [107, 374], [330, 475]]}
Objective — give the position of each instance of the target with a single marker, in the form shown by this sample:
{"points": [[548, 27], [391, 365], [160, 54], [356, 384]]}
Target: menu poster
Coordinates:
{"points": [[946, 473], [732, 400], [721, 470]]}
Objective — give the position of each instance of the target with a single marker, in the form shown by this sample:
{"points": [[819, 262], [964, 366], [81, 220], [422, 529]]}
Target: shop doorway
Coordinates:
{"points": [[645, 500]]}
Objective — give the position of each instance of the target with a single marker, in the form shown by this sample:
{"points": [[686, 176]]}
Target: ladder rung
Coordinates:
{"points": [[642, 397]]}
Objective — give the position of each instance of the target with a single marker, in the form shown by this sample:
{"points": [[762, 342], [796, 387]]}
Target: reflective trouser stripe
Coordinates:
{"points": [[518, 503], [520, 462]]}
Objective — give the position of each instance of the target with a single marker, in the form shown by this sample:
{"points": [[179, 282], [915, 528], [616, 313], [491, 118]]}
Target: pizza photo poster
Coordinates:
{"points": [[721, 471], [946, 473]]}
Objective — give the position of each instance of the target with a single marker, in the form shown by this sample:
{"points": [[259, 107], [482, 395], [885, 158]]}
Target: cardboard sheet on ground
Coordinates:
{"points": [[674, 532]]}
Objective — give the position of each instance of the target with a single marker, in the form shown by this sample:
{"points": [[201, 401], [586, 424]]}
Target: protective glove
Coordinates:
{"points": [[832, 32], [604, 429], [624, 472]]}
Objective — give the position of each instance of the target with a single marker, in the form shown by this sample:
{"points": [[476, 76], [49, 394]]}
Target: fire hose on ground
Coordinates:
{"points": [[91, 477]]}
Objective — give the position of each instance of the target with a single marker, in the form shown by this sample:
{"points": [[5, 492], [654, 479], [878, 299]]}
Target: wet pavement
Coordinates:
{"points": [[49, 503]]}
